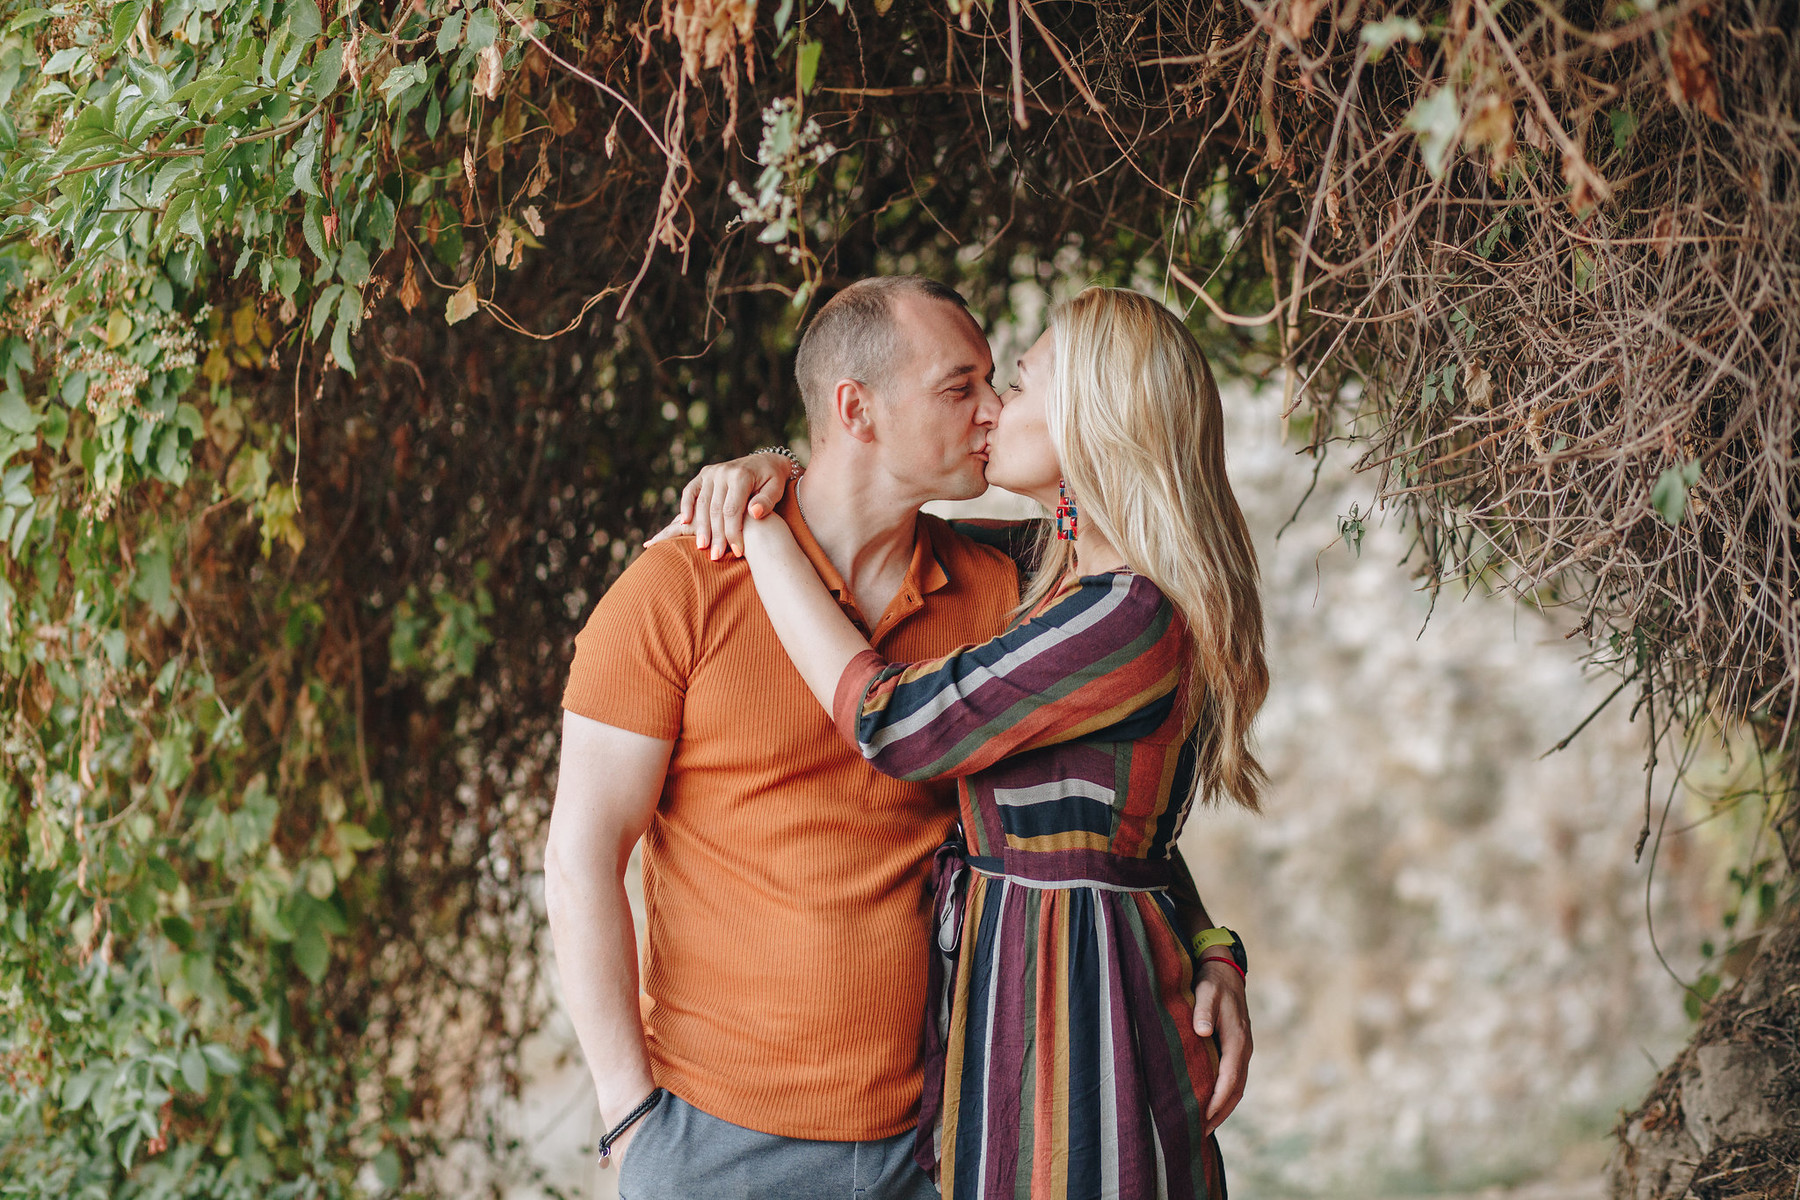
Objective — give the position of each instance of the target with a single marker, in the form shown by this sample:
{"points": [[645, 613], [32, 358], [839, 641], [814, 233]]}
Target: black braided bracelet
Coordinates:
{"points": [[631, 1118]]}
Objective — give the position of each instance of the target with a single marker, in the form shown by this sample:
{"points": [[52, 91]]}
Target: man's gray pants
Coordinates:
{"points": [[681, 1153]]}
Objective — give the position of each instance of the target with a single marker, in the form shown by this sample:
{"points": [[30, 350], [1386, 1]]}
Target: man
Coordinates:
{"points": [[785, 978]]}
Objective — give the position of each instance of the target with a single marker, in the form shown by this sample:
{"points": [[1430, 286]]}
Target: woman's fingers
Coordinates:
{"points": [[688, 493], [767, 496], [671, 531], [716, 544], [701, 518], [737, 499]]}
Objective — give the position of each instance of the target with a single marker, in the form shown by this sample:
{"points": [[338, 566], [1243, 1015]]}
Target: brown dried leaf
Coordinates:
{"points": [[1536, 136], [534, 220], [1490, 126], [462, 304], [539, 179], [469, 166], [1586, 187], [410, 294], [1692, 79], [562, 117], [1662, 233], [352, 66], [488, 73], [1478, 386], [503, 245]]}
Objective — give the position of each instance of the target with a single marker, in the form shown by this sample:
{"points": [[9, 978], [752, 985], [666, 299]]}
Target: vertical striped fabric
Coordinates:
{"points": [[1070, 1068]]}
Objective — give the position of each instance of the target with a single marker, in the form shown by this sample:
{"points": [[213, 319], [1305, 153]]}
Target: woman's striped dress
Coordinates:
{"points": [[1065, 1062]]}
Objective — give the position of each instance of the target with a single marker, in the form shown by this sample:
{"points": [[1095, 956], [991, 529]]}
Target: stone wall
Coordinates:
{"points": [[1453, 981]]}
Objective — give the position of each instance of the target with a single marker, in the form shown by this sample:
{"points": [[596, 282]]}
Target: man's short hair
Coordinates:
{"points": [[854, 337]]}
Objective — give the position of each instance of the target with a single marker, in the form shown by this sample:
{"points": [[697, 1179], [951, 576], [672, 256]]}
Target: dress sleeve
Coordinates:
{"points": [[1106, 654]]}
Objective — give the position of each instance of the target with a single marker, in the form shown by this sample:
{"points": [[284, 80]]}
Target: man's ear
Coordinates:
{"points": [[853, 404]]}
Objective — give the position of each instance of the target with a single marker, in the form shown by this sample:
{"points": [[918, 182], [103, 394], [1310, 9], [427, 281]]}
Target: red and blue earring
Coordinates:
{"points": [[1067, 519]]}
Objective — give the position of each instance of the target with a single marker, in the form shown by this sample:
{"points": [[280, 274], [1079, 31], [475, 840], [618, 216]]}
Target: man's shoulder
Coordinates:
{"points": [[1017, 543], [961, 544], [677, 560], [669, 575]]}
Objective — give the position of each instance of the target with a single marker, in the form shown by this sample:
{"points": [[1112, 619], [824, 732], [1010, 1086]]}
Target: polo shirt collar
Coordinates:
{"points": [[925, 574]]}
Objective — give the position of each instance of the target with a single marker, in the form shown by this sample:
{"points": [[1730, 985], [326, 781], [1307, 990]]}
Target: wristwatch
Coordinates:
{"points": [[1208, 939]]}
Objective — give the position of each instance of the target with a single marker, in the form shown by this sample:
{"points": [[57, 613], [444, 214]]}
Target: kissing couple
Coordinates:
{"points": [[910, 790]]}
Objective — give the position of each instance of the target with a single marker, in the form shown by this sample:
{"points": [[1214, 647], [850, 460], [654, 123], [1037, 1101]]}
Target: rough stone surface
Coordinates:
{"points": [[1654, 1158], [1734, 1092]]}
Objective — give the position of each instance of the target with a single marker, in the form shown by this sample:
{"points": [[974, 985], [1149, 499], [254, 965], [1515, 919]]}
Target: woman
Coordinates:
{"points": [[1065, 1060]]}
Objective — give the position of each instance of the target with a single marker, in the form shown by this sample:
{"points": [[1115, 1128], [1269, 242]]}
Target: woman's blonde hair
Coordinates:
{"points": [[1135, 417]]}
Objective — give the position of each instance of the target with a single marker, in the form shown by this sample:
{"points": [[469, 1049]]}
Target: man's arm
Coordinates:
{"points": [[1219, 1002], [607, 789]]}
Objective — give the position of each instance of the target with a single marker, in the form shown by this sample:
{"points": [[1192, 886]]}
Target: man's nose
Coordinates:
{"points": [[987, 413]]}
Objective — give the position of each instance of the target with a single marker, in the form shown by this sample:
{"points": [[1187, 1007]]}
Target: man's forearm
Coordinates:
{"points": [[1186, 895], [596, 960]]}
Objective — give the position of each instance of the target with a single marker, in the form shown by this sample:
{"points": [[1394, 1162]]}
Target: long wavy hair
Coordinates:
{"points": [[1135, 417]]}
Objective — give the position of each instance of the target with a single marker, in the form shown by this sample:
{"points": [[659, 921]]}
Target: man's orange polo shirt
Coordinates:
{"points": [[784, 880]]}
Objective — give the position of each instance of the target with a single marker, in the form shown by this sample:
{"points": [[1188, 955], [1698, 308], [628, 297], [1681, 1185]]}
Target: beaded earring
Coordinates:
{"points": [[1067, 519]]}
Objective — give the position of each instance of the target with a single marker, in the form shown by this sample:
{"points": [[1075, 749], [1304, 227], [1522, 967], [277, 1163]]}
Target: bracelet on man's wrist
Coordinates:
{"points": [[1227, 960], [795, 470], [631, 1118], [1225, 942]]}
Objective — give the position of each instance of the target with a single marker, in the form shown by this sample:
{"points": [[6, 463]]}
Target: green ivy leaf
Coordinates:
{"points": [[1624, 125], [402, 78], [484, 27], [177, 930], [311, 954], [193, 1070], [303, 19], [328, 68], [353, 264], [15, 414], [809, 65], [1670, 495], [449, 33], [220, 1060], [124, 20], [63, 60]]}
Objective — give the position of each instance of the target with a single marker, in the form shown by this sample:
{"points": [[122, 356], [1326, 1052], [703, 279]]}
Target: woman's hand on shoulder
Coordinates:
{"points": [[715, 501]]}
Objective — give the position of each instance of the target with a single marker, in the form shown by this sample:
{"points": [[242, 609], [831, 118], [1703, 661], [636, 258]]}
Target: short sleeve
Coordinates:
{"points": [[1105, 659], [634, 656]]}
